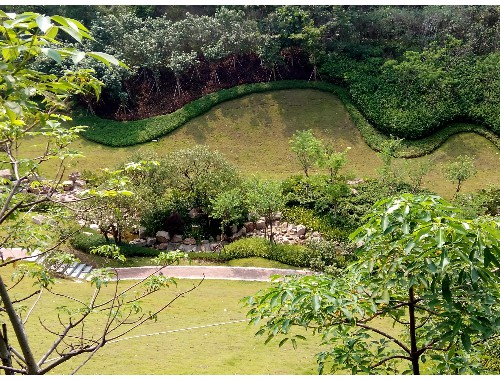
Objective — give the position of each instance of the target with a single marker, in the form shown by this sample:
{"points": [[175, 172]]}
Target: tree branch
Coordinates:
{"points": [[399, 343]]}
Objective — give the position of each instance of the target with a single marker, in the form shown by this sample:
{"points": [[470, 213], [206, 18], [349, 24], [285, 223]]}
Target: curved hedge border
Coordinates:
{"points": [[128, 133]]}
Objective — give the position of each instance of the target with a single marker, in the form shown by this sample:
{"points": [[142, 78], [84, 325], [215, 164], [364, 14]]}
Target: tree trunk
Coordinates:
{"points": [[18, 328], [413, 337], [5, 354]]}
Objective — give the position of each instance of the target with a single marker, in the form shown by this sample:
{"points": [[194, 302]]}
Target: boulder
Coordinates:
{"points": [[94, 227], [38, 219], [162, 246], [190, 241], [234, 229], [68, 185], [249, 226], [138, 242], [177, 239], [6, 174], [260, 224], [162, 237], [150, 241], [242, 231], [301, 229], [278, 216]]}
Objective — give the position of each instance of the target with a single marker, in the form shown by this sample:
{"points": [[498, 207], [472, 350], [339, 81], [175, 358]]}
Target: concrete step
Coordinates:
{"points": [[78, 270], [70, 269], [85, 272]]}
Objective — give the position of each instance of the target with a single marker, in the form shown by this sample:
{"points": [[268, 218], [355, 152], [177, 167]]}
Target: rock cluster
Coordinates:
{"points": [[283, 232]]}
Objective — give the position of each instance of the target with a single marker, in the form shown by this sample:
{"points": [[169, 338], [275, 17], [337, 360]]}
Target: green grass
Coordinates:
{"points": [[253, 133], [229, 349]]}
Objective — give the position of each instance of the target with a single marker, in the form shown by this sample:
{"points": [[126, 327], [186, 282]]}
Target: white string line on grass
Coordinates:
{"points": [[178, 330], [170, 331]]}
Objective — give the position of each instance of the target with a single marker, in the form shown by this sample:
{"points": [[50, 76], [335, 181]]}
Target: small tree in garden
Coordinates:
{"points": [[228, 206], [388, 152], [333, 161], [307, 148], [265, 199], [460, 170], [34, 104], [433, 276]]}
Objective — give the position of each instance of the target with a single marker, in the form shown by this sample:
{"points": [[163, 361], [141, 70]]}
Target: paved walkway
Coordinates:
{"points": [[209, 272], [81, 271]]}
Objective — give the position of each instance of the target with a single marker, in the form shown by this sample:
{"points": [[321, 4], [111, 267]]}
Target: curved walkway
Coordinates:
{"points": [[208, 272], [81, 271]]}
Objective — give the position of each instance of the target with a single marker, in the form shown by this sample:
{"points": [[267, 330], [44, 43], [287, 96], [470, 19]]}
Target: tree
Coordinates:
{"points": [[34, 103], [265, 199], [333, 161], [429, 273], [228, 206], [460, 170], [198, 175], [307, 148]]}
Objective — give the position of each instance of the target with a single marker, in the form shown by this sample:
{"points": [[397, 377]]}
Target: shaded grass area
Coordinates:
{"points": [[253, 132]]}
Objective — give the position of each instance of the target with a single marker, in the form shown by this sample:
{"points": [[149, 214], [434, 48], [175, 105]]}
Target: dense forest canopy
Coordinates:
{"points": [[444, 59]]}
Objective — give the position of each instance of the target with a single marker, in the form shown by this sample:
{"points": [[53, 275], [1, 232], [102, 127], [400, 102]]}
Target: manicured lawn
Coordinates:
{"points": [[225, 349], [253, 132]]}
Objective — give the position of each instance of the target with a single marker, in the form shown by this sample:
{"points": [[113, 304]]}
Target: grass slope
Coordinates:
{"points": [[119, 134], [253, 133]]}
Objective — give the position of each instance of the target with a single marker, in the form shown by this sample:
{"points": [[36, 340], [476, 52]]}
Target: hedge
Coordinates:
{"points": [[128, 133], [326, 256], [84, 242]]}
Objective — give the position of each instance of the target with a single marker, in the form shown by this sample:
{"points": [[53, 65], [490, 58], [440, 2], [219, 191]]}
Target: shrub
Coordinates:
{"points": [[243, 248], [295, 255], [127, 133], [85, 243], [490, 359], [329, 256], [324, 224]]}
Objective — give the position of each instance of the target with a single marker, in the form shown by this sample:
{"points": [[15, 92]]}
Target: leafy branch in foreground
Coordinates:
{"points": [[421, 267], [33, 103]]}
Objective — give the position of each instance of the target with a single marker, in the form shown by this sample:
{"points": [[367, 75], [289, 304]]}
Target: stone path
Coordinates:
{"points": [[81, 271]]}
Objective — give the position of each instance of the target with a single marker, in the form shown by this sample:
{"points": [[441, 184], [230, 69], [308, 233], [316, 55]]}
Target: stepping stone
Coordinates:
{"points": [[78, 270], [85, 272], [70, 269]]}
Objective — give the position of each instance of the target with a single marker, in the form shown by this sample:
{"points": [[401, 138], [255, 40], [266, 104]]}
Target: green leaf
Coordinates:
{"points": [[430, 264], [385, 223], [44, 23], [73, 33], [107, 59], [52, 32], [78, 56], [445, 288], [466, 341], [474, 275], [440, 238], [283, 341], [409, 246], [316, 301], [51, 53], [14, 107]]}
